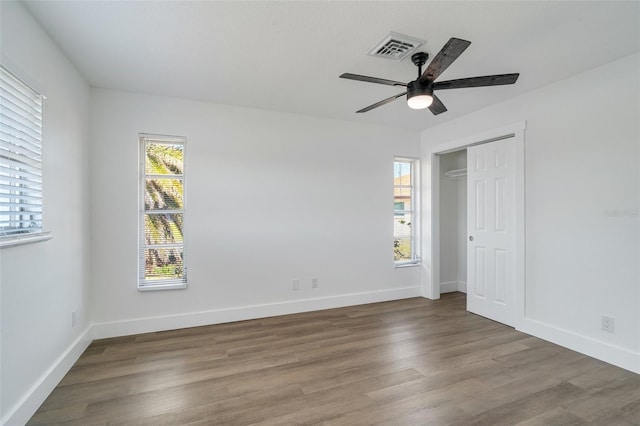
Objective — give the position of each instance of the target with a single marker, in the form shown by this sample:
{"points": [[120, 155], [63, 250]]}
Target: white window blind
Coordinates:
{"points": [[162, 213], [20, 158]]}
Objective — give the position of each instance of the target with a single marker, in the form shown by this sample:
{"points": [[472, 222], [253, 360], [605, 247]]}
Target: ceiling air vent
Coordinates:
{"points": [[396, 46]]}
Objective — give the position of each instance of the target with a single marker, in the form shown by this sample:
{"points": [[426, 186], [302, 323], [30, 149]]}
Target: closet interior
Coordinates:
{"points": [[453, 222]]}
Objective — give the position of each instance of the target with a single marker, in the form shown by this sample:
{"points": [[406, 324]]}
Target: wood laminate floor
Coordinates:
{"points": [[407, 362]]}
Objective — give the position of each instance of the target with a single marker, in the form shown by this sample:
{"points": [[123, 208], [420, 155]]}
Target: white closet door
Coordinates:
{"points": [[491, 207]]}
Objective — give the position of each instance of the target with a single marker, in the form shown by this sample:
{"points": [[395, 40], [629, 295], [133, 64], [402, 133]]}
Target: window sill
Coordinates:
{"points": [[158, 287], [406, 265], [16, 240]]}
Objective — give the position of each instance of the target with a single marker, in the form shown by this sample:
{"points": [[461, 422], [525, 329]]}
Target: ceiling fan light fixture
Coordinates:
{"points": [[419, 96], [420, 101]]}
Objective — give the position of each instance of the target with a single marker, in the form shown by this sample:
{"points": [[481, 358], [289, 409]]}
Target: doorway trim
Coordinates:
{"points": [[432, 239]]}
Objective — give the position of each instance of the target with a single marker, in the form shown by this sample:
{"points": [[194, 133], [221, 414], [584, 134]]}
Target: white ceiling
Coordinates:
{"points": [[287, 55]]}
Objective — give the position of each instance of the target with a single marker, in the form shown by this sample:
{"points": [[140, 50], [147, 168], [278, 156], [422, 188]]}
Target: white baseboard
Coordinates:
{"points": [[451, 286], [22, 411], [448, 287], [620, 357], [241, 313]]}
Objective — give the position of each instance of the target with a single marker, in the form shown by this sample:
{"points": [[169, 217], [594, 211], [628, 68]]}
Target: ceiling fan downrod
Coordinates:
{"points": [[419, 59]]}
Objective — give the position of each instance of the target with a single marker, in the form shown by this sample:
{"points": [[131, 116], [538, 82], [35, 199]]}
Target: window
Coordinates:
{"points": [[398, 208], [20, 161], [162, 213], [405, 217]]}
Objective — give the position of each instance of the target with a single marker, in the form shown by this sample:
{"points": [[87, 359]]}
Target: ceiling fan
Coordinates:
{"points": [[420, 91]]}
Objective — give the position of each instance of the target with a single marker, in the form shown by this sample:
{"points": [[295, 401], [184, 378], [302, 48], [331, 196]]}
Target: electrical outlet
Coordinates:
{"points": [[296, 285], [314, 283], [74, 318], [607, 324]]}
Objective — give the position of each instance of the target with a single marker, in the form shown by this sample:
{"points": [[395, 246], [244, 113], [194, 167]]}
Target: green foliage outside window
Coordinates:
{"points": [[163, 204]]}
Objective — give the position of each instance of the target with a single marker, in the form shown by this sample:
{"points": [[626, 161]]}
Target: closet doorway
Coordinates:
{"points": [[478, 224], [453, 222]]}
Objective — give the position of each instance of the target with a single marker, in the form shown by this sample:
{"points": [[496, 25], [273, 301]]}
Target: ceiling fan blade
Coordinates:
{"points": [[444, 58], [372, 79], [437, 107], [382, 102], [487, 80]]}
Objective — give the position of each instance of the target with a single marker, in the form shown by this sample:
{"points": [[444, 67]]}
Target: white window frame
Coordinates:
{"points": [[167, 284], [21, 162], [413, 209]]}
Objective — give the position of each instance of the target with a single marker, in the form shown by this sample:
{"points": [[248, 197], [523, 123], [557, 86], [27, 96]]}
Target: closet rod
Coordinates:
{"points": [[455, 174]]}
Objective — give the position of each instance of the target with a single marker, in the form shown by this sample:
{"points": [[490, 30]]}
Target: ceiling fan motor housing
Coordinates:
{"points": [[415, 88]]}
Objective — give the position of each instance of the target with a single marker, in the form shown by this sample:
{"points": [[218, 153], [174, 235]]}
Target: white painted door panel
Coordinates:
{"points": [[491, 238]]}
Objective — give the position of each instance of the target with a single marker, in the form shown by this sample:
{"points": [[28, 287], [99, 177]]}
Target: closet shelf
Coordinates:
{"points": [[456, 174]]}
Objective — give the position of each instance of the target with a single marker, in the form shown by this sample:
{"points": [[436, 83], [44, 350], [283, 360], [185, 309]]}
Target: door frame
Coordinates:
{"points": [[431, 238]]}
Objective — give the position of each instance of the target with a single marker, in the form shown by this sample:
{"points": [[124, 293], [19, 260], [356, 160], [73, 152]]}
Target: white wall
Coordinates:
{"points": [[271, 197], [42, 283], [582, 199]]}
